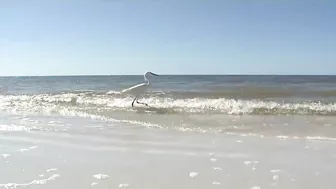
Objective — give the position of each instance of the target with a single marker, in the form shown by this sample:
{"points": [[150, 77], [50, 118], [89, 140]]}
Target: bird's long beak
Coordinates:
{"points": [[154, 74]]}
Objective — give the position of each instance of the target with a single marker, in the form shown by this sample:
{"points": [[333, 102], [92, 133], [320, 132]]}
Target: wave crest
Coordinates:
{"points": [[99, 103]]}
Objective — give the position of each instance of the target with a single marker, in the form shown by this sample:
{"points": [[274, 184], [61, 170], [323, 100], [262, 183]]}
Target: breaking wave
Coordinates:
{"points": [[102, 103]]}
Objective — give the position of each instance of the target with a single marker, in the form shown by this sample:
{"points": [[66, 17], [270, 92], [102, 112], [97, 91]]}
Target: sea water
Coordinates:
{"points": [[197, 132]]}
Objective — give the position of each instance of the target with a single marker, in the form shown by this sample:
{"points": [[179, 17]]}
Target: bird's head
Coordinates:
{"points": [[150, 73], [147, 74]]}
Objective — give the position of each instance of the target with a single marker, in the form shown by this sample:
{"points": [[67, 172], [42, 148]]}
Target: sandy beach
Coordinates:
{"points": [[69, 152]]}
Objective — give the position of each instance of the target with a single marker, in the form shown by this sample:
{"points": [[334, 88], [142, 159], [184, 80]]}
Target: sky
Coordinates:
{"points": [[116, 37]]}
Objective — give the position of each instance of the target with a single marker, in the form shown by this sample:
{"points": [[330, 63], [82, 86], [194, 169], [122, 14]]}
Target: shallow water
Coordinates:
{"points": [[68, 152], [232, 95], [80, 133]]}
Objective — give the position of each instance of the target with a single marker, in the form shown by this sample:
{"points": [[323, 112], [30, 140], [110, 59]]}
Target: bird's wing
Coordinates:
{"points": [[133, 88]]}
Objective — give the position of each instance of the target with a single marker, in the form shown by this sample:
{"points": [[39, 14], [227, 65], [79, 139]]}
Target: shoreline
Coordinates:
{"points": [[78, 152]]}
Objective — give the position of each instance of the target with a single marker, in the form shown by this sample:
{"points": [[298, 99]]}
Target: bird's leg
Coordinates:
{"points": [[134, 101], [141, 103]]}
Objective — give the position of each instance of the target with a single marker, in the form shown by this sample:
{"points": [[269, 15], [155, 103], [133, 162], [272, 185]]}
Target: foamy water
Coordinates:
{"points": [[101, 103], [81, 133]]}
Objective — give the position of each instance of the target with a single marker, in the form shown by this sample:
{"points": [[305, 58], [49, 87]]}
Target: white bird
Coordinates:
{"points": [[139, 89]]}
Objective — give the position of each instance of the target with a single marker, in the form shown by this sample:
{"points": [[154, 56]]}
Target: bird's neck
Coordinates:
{"points": [[146, 79]]}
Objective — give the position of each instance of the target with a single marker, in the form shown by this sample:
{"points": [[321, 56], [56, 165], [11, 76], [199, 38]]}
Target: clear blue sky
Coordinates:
{"points": [[45, 37]]}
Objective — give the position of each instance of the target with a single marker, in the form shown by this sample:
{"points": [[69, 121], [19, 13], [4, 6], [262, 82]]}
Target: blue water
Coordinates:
{"points": [[324, 86], [229, 95]]}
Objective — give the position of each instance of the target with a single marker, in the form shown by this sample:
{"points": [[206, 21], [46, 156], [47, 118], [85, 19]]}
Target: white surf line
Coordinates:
{"points": [[101, 176], [193, 174], [123, 185], [34, 182], [51, 170], [94, 184], [14, 127], [27, 149]]}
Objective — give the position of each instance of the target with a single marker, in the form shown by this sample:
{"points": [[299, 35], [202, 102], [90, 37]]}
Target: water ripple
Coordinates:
{"points": [[34, 182]]}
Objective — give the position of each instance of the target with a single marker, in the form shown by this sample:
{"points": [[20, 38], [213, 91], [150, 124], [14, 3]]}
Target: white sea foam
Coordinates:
{"points": [[54, 103], [34, 182], [101, 176], [193, 174], [13, 127]]}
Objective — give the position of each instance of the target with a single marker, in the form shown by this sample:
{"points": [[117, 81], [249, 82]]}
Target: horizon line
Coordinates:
{"points": [[83, 75]]}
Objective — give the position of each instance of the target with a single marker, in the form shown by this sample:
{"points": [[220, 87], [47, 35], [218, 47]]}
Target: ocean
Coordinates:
{"points": [[198, 131]]}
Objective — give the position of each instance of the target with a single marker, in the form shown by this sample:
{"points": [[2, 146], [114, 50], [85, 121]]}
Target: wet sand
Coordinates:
{"points": [[67, 152]]}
